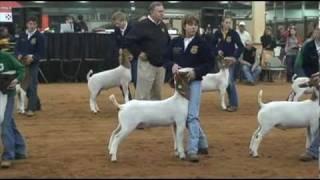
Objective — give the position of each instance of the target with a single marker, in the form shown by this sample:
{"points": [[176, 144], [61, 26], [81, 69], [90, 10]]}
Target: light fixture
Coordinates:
{"points": [[133, 8], [172, 2], [84, 2], [39, 2], [224, 2], [131, 2]]}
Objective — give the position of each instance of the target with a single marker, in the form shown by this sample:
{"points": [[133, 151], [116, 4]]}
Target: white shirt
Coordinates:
{"points": [[124, 29], [187, 42], [30, 33], [150, 18], [245, 36]]}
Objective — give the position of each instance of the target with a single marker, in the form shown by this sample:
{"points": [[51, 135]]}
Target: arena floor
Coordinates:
{"points": [[66, 140]]}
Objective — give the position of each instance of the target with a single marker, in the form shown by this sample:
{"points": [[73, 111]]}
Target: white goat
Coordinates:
{"points": [[218, 82], [120, 76], [297, 91], [285, 115], [171, 111], [21, 96]]}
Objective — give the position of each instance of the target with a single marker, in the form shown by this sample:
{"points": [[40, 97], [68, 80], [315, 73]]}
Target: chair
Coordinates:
{"points": [[274, 65]]}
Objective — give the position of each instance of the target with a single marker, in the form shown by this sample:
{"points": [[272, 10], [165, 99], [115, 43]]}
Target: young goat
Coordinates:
{"points": [[285, 115], [218, 81], [21, 96], [168, 112], [120, 76]]}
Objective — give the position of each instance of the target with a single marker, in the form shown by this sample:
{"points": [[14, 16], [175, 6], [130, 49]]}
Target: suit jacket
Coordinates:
{"points": [[310, 60], [197, 55], [35, 46], [120, 39]]}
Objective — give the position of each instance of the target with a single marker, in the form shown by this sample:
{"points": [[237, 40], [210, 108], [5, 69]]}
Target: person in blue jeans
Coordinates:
{"points": [[224, 44], [312, 153], [12, 140], [250, 63], [190, 50], [30, 48]]}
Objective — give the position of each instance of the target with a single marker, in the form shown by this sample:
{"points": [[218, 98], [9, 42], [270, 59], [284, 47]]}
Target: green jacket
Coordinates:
{"points": [[10, 63]]}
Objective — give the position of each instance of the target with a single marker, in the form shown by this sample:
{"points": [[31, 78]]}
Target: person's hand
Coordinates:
{"points": [[175, 68], [143, 56], [13, 84], [253, 68], [191, 75], [220, 53], [28, 59]]}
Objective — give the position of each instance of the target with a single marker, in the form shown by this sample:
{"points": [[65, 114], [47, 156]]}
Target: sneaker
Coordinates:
{"points": [[203, 151], [232, 109], [20, 157], [30, 113], [5, 164], [193, 158], [307, 157]]}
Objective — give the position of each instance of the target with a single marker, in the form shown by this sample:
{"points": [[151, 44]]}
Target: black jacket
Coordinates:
{"points": [[310, 57], [146, 36], [197, 55], [121, 38]]}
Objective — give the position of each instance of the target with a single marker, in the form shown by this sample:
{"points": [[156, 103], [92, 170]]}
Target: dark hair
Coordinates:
{"points": [[189, 19], [118, 15], [225, 17], [32, 18], [289, 32], [153, 5]]}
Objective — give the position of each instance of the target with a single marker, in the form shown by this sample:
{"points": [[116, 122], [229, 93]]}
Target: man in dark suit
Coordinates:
{"points": [[122, 27], [29, 50]]}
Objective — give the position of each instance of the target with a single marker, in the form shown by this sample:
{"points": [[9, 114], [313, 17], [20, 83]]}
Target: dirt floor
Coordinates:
{"points": [[66, 140]]}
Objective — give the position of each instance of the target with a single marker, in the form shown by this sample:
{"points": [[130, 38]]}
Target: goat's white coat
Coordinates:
{"points": [[119, 76], [21, 96], [217, 81], [170, 111], [285, 115]]}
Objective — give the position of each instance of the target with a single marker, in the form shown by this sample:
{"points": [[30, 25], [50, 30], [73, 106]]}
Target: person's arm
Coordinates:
{"points": [[132, 39], [18, 67], [256, 62], [40, 49], [207, 59]]}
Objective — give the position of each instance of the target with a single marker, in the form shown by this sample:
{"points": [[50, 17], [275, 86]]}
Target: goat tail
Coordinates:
{"points": [[89, 74], [114, 101], [260, 98], [294, 77]]}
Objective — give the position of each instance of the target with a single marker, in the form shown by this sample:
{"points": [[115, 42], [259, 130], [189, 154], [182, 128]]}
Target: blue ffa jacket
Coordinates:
{"points": [[197, 56], [35, 46], [121, 38], [310, 60], [227, 44]]}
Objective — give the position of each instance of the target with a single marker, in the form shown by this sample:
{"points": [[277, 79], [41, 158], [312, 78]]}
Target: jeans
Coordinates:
{"points": [[231, 89], [250, 76], [12, 139], [134, 66], [197, 138], [314, 147], [32, 91], [290, 61]]}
